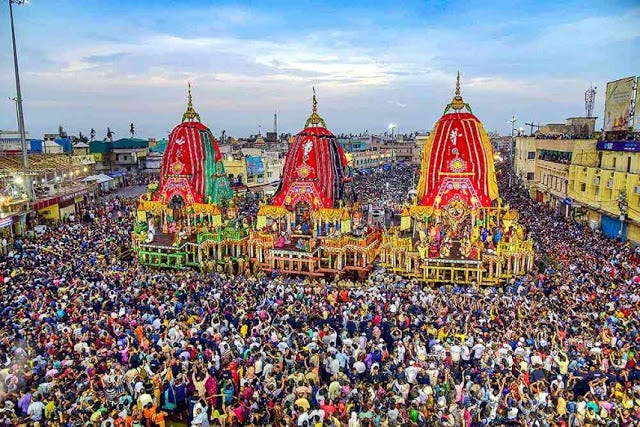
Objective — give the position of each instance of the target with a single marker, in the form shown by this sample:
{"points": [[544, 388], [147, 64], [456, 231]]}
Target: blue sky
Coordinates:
{"points": [[99, 63]]}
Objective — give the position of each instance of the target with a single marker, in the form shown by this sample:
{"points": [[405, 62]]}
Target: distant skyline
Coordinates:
{"points": [[107, 63]]}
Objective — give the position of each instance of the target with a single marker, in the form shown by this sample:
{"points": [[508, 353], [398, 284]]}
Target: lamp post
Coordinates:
{"points": [[512, 148], [23, 138]]}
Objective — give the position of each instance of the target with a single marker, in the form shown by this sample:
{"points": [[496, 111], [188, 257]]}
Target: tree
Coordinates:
{"points": [[92, 134], [132, 130], [83, 138], [61, 132], [110, 134]]}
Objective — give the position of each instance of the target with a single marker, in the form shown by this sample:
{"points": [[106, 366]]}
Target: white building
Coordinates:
{"points": [[10, 142]]}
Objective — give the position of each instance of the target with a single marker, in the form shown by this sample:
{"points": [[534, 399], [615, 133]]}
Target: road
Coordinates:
{"points": [[134, 191]]}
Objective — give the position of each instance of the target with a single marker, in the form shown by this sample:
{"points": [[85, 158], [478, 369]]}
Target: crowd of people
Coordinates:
{"points": [[387, 190], [91, 338]]}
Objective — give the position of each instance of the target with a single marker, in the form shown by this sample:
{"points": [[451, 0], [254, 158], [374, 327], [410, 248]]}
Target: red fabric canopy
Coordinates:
{"points": [[313, 170], [183, 171], [457, 162]]}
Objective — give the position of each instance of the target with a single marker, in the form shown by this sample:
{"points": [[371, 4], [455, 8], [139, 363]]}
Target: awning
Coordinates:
{"points": [[102, 178], [117, 174]]}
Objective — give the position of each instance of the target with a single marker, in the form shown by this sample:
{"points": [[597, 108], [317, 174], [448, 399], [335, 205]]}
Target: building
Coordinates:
{"points": [[551, 178], [236, 168], [58, 187], [154, 159], [573, 128], [125, 154], [10, 142], [354, 144], [372, 158], [524, 161], [604, 188]]}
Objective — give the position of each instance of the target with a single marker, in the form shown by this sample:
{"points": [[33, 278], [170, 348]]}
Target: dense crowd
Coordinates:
{"points": [[388, 190], [89, 339]]}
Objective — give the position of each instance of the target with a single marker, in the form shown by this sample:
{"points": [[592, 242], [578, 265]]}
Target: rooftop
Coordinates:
{"points": [[39, 163]]}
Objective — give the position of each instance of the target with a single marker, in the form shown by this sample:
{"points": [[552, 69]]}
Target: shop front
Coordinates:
{"points": [[614, 227], [48, 208], [67, 206], [6, 234], [71, 203]]}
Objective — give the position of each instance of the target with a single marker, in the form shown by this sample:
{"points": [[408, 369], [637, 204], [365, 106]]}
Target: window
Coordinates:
{"points": [[599, 159], [629, 164], [531, 155], [583, 187], [614, 162], [530, 176]]}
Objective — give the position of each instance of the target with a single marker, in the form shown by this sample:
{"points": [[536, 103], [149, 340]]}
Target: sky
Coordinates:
{"points": [[106, 63]]}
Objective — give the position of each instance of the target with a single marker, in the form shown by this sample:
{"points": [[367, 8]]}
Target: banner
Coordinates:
{"points": [[636, 125], [255, 166], [617, 106], [629, 146]]}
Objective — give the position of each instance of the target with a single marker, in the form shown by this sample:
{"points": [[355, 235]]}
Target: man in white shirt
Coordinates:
{"points": [[478, 350], [411, 372]]}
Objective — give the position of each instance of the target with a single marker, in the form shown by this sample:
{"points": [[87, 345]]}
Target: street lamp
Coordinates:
{"points": [[23, 138], [512, 147]]}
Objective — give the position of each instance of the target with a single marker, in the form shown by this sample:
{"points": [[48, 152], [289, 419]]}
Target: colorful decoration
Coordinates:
{"points": [[192, 164], [273, 211], [328, 214], [457, 160], [314, 168]]}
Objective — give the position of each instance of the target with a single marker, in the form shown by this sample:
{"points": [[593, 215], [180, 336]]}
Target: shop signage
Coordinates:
{"points": [[633, 146]]}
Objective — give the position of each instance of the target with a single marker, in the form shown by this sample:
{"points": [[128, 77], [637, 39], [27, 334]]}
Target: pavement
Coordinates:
{"points": [[133, 191]]}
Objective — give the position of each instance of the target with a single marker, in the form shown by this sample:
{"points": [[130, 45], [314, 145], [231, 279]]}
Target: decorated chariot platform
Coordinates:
{"points": [[457, 230]]}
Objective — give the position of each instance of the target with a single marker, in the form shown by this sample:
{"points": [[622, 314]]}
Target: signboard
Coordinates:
{"points": [[6, 222], [629, 146], [617, 105], [568, 201], [255, 166], [636, 118]]}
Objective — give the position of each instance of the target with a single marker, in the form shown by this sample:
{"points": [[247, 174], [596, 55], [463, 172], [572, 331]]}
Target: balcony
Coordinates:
{"points": [[554, 165]]}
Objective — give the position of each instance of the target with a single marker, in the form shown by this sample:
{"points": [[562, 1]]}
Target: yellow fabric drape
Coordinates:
{"points": [[261, 222], [491, 172]]}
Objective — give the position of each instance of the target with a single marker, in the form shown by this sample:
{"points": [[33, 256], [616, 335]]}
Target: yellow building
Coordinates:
{"points": [[551, 171], [372, 158], [525, 160], [236, 168], [604, 184]]}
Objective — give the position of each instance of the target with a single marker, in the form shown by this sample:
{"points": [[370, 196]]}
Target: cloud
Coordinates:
{"points": [[250, 61]]}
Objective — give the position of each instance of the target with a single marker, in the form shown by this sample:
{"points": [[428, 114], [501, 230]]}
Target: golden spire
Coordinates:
{"points": [[457, 103], [190, 114], [314, 118]]}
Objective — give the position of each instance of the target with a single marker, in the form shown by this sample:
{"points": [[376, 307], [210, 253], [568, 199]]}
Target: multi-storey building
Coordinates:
{"points": [[604, 186]]}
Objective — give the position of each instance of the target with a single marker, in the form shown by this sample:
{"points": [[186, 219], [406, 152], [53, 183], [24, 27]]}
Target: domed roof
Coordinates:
{"points": [[314, 168], [457, 161], [189, 161]]}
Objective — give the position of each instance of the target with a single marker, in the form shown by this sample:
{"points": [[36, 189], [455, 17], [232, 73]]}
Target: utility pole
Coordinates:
{"points": [[532, 125], [512, 147], [23, 137]]}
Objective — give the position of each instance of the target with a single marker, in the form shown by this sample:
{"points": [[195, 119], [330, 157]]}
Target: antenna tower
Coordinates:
{"points": [[590, 100], [275, 123]]}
